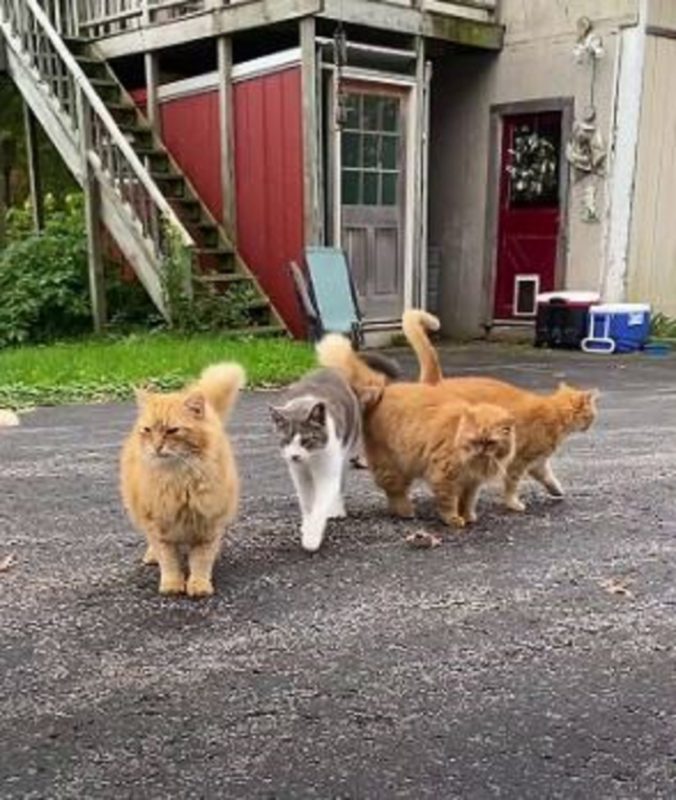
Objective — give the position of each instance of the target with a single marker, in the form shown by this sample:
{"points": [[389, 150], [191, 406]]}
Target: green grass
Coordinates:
{"points": [[101, 369]]}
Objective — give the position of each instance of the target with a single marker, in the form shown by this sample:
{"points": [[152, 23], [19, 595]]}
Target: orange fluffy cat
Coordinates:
{"points": [[542, 421], [411, 431], [179, 478]]}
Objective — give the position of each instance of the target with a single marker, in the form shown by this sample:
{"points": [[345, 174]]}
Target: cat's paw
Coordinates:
{"points": [[337, 511], [470, 517], [514, 504], [149, 557], [455, 521], [401, 508], [555, 490], [199, 587], [172, 584], [311, 537]]}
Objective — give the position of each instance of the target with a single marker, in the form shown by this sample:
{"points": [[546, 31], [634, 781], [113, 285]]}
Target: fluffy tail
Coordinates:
{"points": [[415, 324], [336, 352], [220, 385]]}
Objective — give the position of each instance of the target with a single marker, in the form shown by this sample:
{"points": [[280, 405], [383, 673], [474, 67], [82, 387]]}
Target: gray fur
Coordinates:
{"points": [[307, 402]]}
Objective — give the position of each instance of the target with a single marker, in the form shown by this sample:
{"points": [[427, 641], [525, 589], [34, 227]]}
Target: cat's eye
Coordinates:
{"points": [[145, 429], [171, 431]]}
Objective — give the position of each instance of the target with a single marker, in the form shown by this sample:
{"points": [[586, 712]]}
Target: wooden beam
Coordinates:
{"points": [[211, 23], [34, 181], [93, 218], [151, 62], [311, 215], [413, 21], [227, 135]]}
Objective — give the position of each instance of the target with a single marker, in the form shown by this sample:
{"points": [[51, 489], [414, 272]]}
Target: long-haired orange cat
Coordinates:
{"points": [[411, 431], [542, 421], [179, 479]]}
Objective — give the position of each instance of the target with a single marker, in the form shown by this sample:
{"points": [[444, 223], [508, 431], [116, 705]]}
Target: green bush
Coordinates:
{"points": [[43, 277]]}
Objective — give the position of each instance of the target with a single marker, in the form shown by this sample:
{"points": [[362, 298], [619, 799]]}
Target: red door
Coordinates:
{"points": [[529, 216]]}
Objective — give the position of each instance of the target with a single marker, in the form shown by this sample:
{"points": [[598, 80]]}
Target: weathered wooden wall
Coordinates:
{"points": [[652, 260]]}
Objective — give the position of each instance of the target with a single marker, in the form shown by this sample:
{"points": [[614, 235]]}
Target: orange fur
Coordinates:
{"points": [[179, 479], [542, 421], [411, 431]]}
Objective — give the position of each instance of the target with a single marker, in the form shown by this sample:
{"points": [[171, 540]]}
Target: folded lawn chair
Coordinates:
{"points": [[329, 297]]}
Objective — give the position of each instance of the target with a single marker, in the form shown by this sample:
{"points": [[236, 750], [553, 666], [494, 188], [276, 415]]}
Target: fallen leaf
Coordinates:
{"points": [[617, 586], [7, 562], [422, 540]]}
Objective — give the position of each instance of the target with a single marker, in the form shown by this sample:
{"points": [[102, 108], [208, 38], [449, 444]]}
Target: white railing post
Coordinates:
{"points": [[92, 200]]}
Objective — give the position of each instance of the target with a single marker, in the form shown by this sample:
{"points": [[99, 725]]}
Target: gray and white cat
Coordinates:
{"points": [[320, 430]]}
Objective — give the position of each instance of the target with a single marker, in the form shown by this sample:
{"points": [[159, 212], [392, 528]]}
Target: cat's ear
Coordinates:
{"points": [[593, 394], [317, 414], [195, 404], [370, 395], [277, 417]]}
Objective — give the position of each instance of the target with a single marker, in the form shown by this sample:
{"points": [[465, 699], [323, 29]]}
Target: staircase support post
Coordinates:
{"points": [[312, 216], [152, 102], [227, 135], [34, 178], [92, 200]]}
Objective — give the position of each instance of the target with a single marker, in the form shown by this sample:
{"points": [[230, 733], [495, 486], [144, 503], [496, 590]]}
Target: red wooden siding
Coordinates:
{"points": [[190, 133], [269, 178], [268, 167]]}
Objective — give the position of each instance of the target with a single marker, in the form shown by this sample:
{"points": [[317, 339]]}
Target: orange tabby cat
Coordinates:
{"points": [[542, 421], [411, 431], [179, 478]]}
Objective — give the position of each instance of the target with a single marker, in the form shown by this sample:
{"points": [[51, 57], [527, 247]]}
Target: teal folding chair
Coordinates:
{"points": [[333, 294]]}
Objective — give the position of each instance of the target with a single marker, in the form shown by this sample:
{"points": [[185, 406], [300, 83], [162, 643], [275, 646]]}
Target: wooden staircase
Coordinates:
{"points": [[143, 195]]}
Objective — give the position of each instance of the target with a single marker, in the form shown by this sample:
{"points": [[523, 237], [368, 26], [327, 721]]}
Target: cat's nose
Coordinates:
{"points": [[295, 457]]}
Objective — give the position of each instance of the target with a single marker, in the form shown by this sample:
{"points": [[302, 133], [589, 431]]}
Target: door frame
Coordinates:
{"points": [[333, 193], [564, 105]]}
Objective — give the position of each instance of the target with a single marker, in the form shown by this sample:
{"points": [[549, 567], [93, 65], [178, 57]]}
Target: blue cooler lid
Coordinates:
{"points": [[621, 308]]}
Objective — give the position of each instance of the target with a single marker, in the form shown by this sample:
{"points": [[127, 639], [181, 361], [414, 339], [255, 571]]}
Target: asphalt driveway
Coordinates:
{"points": [[531, 658]]}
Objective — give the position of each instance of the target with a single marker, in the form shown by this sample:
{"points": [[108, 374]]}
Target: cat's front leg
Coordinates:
{"points": [[201, 560], [302, 481], [512, 480], [149, 557], [172, 580], [448, 503], [468, 501], [327, 481], [544, 474]]}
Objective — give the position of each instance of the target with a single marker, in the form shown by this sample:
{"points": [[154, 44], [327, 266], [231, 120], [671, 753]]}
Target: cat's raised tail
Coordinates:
{"points": [[335, 352], [415, 324], [220, 384]]}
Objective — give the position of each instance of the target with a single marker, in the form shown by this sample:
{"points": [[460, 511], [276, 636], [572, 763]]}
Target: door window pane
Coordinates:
{"points": [[370, 112], [370, 189], [351, 147], [389, 189], [353, 106], [351, 187], [371, 150], [388, 152], [390, 114]]}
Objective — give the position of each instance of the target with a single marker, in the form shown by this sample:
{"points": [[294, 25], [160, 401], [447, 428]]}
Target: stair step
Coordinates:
{"points": [[170, 183], [107, 89], [216, 278], [92, 67], [121, 112], [137, 136], [76, 45]]}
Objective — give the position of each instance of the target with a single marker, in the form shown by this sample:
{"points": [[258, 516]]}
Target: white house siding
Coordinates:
{"points": [[536, 64]]}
